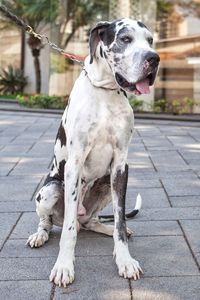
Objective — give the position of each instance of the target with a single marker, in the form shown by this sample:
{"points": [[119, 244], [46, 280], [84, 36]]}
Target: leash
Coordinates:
{"points": [[43, 38]]}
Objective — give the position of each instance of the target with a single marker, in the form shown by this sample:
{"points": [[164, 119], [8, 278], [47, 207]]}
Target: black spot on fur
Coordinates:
{"points": [[125, 94], [83, 181], [116, 59], [141, 25], [61, 169], [76, 183], [105, 55], [70, 228], [61, 135], [70, 142], [108, 35], [101, 52], [120, 23], [120, 186], [55, 159], [52, 179], [118, 92], [119, 46], [38, 199], [73, 193]]}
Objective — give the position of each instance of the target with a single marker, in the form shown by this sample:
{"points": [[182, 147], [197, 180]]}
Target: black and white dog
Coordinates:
{"points": [[89, 167]]}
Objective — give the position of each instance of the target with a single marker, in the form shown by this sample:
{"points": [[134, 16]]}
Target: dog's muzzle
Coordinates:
{"points": [[149, 71]]}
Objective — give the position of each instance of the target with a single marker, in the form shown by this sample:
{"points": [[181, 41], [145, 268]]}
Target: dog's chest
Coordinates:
{"points": [[112, 133]]}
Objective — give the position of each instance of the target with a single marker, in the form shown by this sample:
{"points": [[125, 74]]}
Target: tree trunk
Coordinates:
{"points": [[35, 46], [37, 74]]}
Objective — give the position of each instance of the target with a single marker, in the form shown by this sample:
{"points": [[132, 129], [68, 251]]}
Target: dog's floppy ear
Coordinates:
{"points": [[95, 33]]}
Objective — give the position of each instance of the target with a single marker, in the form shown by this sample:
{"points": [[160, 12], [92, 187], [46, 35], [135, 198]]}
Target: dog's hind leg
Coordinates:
{"points": [[46, 202], [107, 229]]}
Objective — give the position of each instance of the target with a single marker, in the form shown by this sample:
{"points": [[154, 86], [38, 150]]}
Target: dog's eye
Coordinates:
{"points": [[126, 39], [150, 41]]}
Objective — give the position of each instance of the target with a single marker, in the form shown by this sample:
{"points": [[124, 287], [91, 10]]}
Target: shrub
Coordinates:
{"points": [[159, 106], [42, 101], [181, 106], [136, 104], [12, 80]]}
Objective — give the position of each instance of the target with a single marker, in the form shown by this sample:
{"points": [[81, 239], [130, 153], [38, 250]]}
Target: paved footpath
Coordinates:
{"points": [[164, 166]]}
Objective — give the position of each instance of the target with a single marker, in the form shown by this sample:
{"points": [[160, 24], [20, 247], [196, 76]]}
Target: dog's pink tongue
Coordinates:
{"points": [[143, 86]]}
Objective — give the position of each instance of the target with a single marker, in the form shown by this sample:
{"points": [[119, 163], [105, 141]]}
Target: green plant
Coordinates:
{"points": [[42, 101], [136, 104], [159, 106], [182, 106], [12, 80]]}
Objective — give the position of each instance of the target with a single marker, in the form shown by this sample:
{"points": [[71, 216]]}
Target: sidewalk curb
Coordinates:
{"points": [[14, 107]]}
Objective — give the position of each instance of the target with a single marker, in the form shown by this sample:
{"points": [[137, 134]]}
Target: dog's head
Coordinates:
{"points": [[127, 47]]}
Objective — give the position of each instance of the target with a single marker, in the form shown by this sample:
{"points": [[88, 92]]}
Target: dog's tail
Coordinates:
{"points": [[131, 215]]}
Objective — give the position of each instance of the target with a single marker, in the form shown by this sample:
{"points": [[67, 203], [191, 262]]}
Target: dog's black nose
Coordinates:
{"points": [[152, 57]]}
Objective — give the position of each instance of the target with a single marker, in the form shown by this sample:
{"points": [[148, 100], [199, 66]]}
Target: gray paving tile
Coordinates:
{"points": [[42, 148], [140, 163], [168, 161], [7, 221], [5, 139], [149, 131], [190, 153], [167, 174], [32, 166], [154, 228], [18, 248], [26, 268], [197, 256], [194, 163], [163, 256], [151, 197], [165, 288], [180, 187], [184, 142], [173, 130], [185, 201], [172, 213], [18, 150], [142, 171], [29, 289], [18, 189], [96, 278], [143, 183], [5, 168], [8, 159], [17, 206], [26, 226], [191, 229], [160, 142]]}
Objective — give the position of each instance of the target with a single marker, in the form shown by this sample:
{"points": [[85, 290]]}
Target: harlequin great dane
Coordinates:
{"points": [[89, 167]]}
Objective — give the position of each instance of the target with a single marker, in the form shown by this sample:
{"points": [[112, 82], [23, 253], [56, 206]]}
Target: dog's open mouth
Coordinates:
{"points": [[138, 88]]}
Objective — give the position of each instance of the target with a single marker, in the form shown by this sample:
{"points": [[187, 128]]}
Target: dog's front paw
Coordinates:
{"points": [[129, 267], [62, 273], [37, 239]]}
